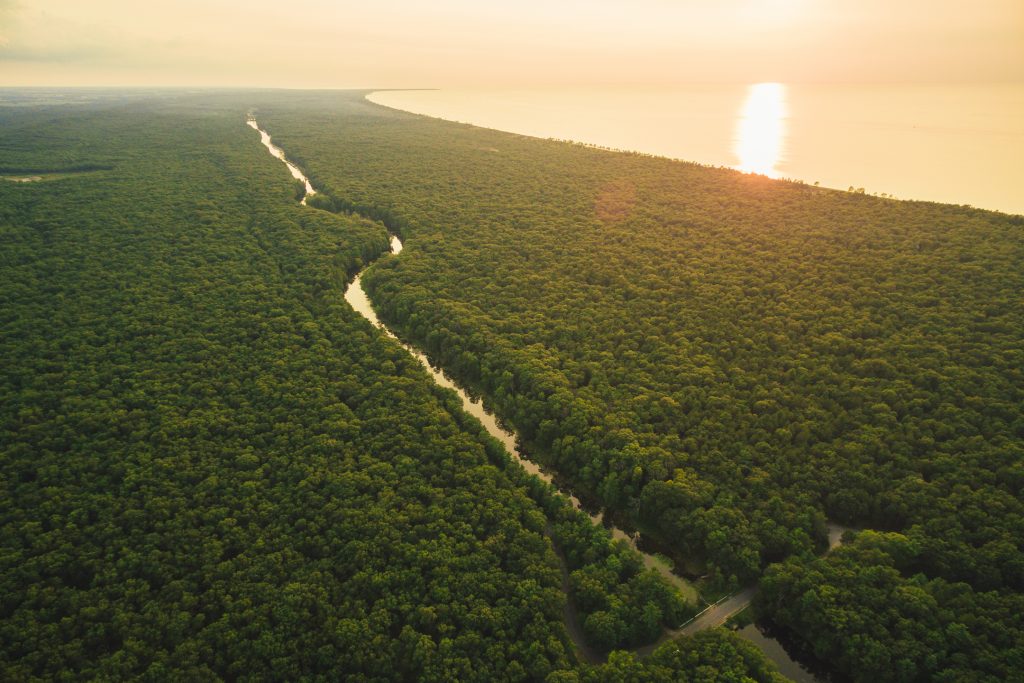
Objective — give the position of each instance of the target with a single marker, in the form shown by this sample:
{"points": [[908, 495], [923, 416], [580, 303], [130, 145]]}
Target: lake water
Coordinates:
{"points": [[956, 144]]}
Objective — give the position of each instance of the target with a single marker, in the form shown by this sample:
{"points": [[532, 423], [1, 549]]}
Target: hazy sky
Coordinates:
{"points": [[401, 43]]}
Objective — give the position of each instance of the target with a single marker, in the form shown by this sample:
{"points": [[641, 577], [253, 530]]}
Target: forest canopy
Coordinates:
{"points": [[718, 359], [213, 468]]}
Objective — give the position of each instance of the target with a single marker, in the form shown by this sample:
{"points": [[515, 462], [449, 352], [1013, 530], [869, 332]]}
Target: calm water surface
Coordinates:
{"points": [[956, 144]]}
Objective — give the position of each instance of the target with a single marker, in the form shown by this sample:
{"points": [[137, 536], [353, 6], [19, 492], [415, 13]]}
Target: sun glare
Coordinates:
{"points": [[761, 129]]}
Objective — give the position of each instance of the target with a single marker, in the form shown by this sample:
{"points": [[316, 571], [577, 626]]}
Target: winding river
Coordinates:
{"points": [[356, 296], [714, 615], [278, 153]]}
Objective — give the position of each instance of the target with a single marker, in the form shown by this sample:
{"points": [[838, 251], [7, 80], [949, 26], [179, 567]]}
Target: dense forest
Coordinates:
{"points": [[213, 468], [872, 609], [722, 361]]}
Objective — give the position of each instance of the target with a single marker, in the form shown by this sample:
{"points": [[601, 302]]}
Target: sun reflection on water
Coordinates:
{"points": [[761, 129]]}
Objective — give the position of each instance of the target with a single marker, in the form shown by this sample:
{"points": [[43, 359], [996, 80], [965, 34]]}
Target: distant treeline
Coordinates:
{"points": [[75, 168]]}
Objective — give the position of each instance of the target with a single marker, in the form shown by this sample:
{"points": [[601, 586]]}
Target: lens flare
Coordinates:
{"points": [[761, 129]]}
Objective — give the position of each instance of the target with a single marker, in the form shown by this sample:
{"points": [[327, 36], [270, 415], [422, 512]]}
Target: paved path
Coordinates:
{"points": [[717, 614]]}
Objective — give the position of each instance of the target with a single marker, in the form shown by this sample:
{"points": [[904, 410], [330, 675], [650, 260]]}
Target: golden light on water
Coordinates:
{"points": [[761, 129]]}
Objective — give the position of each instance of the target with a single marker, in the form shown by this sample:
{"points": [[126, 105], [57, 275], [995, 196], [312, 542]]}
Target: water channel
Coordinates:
{"points": [[356, 297]]}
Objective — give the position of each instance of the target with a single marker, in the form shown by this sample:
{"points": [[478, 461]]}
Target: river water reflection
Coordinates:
{"points": [[278, 153]]}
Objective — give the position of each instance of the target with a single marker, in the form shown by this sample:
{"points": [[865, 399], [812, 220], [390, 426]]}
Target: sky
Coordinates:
{"points": [[488, 43]]}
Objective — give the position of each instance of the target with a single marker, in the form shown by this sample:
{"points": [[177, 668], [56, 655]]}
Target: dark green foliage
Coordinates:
{"points": [[722, 360], [620, 603], [74, 168], [212, 467], [866, 609], [710, 657]]}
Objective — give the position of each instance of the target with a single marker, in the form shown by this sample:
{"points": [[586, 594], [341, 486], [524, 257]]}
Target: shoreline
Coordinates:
{"points": [[876, 190]]}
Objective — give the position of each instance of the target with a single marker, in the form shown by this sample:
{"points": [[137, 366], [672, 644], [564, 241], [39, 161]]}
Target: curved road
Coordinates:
{"points": [[719, 613]]}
